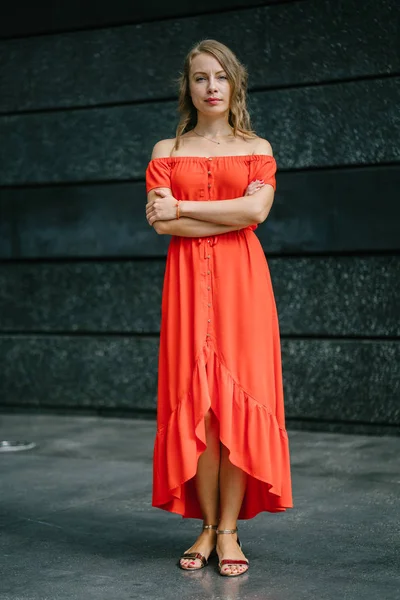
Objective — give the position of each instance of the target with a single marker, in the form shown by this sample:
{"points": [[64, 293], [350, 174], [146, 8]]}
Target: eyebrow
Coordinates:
{"points": [[204, 73]]}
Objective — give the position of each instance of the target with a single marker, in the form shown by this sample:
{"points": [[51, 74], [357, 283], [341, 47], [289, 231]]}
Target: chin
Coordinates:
{"points": [[214, 109]]}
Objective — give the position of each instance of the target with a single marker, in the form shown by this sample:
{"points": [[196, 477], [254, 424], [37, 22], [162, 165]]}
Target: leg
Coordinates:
{"points": [[207, 490], [232, 483]]}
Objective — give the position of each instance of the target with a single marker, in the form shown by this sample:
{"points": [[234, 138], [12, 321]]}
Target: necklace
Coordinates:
{"points": [[206, 138]]}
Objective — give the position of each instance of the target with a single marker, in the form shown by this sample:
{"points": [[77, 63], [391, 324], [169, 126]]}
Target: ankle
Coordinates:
{"points": [[229, 526], [211, 533], [210, 525]]}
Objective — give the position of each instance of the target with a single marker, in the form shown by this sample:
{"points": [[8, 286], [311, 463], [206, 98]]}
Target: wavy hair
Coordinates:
{"points": [[239, 118]]}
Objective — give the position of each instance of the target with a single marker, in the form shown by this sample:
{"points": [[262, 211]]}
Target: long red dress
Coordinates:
{"points": [[219, 346]]}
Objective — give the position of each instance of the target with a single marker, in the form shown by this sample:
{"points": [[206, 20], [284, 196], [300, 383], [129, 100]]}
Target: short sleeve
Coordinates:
{"points": [[158, 174], [264, 167]]}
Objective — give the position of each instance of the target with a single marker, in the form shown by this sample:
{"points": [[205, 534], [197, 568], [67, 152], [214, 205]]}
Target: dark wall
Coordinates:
{"points": [[24, 18], [81, 271]]}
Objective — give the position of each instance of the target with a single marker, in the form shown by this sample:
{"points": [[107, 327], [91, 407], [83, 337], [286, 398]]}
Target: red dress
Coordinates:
{"points": [[219, 346]]}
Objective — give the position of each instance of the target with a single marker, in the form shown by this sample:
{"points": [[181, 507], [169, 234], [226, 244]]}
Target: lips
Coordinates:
{"points": [[213, 100]]}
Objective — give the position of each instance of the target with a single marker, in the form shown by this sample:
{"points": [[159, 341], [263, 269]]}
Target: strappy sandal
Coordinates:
{"points": [[198, 555], [228, 561]]}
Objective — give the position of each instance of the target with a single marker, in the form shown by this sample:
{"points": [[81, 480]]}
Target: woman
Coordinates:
{"points": [[221, 449]]}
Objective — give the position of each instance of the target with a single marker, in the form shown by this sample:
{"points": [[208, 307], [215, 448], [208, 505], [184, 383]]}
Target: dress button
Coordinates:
{"points": [[208, 272], [208, 256], [210, 158], [209, 185], [208, 241], [209, 172], [208, 287], [209, 320], [208, 304]]}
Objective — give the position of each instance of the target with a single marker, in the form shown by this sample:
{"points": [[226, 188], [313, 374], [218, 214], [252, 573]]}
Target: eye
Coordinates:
{"points": [[203, 78]]}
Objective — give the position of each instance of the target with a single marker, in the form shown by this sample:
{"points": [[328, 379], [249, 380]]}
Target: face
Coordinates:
{"points": [[209, 85]]}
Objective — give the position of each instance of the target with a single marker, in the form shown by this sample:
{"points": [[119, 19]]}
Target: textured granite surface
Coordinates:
{"points": [[76, 520], [91, 296], [340, 124], [74, 221], [343, 380], [79, 371], [321, 210], [7, 221], [334, 210], [334, 380], [315, 126], [43, 18], [343, 296], [288, 44]]}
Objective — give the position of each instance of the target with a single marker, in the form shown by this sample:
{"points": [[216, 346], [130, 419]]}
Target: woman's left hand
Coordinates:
{"points": [[162, 208]]}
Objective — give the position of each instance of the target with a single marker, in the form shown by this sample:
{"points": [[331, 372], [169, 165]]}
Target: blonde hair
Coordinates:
{"points": [[239, 118]]}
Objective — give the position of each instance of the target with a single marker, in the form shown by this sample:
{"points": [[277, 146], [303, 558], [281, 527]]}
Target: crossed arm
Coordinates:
{"points": [[187, 227], [202, 218], [210, 217]]}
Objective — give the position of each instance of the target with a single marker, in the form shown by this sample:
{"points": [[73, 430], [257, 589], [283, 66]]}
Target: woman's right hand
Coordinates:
{"points": [[254, 186]]}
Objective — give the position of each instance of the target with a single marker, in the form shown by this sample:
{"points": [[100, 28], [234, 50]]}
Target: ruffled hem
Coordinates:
{"points": [[257, 444]]}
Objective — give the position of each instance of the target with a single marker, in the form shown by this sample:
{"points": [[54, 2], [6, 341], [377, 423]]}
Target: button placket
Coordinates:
{"points": [[209, 173], [206, 256]]}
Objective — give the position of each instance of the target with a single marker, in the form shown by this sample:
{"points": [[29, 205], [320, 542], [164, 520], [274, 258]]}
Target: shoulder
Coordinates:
{"points": [[262, 146], [163, 148]]}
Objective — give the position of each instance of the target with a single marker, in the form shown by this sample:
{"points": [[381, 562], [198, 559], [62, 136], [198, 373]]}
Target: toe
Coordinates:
{"points": [[190, 564], [185, 563], [228, 570]]}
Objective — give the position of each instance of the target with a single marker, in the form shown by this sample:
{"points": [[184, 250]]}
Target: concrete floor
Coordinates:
{"points": [[76, 520]]}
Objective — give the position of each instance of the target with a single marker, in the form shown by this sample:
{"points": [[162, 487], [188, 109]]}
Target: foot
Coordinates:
{"points": [[204, 544], [228, 548]]}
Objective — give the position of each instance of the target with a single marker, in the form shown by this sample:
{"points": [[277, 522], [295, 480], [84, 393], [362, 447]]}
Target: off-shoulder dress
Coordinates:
{"points": [[219, 346]]}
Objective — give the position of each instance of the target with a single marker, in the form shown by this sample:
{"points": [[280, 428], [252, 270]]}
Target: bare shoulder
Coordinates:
{"points": [[163, 148], [262, 146]]}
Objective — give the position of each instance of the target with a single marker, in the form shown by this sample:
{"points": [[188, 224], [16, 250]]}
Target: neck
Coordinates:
{"points": [[213, 127]]}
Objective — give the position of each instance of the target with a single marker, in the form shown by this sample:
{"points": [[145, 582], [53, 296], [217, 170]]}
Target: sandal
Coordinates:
{"points": [[198, 555], [228, 561]]}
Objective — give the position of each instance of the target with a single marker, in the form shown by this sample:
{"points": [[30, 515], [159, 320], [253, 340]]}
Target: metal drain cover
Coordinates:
{"points": [[6, 446]]}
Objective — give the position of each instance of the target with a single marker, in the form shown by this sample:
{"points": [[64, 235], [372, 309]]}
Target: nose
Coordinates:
{"points": [[212, 86]]}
